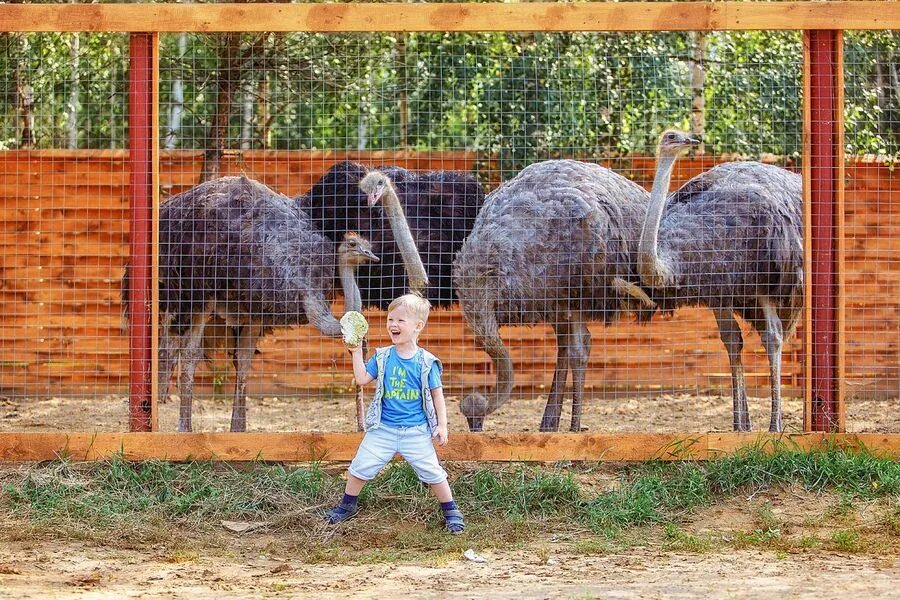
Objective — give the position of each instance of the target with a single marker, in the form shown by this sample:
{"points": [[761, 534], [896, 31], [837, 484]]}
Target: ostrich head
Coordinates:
{"points": [[375, 184], [474, 407], [355, 250], [674, 142]]}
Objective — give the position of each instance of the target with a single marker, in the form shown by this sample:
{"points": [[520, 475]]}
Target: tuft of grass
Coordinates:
{"points": [[522, 493], [892, 522], [846, 540], [809, 541], [593, 546], [181, 556], [758, 538], [766, 519], [676, 539]]}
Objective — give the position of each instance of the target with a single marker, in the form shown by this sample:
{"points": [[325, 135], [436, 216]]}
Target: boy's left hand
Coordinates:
{"points": [[442, 435]]}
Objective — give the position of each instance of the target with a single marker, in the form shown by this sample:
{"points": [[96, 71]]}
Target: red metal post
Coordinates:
{"points": [[139, 292], [824, 138]]}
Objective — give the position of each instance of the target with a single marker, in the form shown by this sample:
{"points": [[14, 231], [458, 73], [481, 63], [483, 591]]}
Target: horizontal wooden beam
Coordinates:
{"points": [[530, 447], [540, 16]]}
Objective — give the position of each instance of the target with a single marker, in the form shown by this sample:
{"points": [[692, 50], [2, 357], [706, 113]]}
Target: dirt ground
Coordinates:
{"points": [[78, 570], [336, 412], [703, 559]]}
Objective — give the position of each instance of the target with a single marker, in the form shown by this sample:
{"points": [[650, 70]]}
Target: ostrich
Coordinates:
{"points": [[235, 249], [555, 244], [729, 239], [378, 186], [440, 208]]}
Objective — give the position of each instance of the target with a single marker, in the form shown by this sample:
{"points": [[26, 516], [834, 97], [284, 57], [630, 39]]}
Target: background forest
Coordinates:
{"points": [[515, 97]]}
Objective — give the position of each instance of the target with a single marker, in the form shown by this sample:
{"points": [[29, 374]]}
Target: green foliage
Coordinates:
{"points": [[519, 97]]}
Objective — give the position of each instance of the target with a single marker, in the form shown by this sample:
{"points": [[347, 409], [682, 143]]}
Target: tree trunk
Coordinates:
{"points": [[177, 107], [74, 76], [402, 97], [362, 124], [698, 96], [25, 108], [247, 116], [262, 109], [228, 80]]}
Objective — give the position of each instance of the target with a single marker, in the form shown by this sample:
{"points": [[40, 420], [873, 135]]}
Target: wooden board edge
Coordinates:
{"points": [[487, 447], [840, 233], [462, 17], [154, 233], [807, 234]]}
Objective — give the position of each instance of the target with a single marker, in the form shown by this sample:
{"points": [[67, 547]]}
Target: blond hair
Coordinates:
{"points": [[416, 304]]}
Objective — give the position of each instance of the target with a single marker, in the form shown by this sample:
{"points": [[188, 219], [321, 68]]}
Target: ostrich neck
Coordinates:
{"points": [[415, 270], [504, 367], [352, 297], [650, 267]]}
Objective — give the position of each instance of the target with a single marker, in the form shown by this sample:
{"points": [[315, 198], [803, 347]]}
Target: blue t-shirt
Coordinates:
{"points": [[401, 405]]}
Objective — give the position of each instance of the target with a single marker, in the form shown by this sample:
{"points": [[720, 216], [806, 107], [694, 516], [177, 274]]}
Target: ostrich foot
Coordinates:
{"points": [[549, 423], [742, 423]]}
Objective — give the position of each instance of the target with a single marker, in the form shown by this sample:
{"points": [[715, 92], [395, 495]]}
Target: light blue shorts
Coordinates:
{"points": [[412, 443]]}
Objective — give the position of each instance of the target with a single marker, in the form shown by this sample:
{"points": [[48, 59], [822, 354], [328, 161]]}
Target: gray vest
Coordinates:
{"points": [[426, 361]]}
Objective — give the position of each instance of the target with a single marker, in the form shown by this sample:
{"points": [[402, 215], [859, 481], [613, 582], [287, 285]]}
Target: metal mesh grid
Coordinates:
{"points": [[486, 105], [871, 209]]}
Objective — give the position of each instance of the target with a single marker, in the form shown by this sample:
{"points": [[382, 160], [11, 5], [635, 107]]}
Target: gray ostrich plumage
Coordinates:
{"points": [[556, 244], [729, 239], [234, 251]]}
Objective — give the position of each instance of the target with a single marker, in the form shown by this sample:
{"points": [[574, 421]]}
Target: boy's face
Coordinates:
{"points": [[403, 326]]}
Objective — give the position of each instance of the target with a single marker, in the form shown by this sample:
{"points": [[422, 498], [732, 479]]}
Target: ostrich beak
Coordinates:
{"points": [[370, 255], [373, 199], [693, 141]]}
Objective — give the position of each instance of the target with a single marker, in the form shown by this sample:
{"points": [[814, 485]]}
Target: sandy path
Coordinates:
{"points": [[73, 570]]}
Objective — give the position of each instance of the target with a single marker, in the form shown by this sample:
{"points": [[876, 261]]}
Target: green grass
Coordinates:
{"points": [[503, 504], [846, 540], [676, 539]]}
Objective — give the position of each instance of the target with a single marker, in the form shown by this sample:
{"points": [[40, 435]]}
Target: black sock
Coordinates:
{"points": [[349, 500], [445, 506]]}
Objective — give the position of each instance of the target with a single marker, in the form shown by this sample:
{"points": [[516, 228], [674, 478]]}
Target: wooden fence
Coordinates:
{"points": [[64, 238]]}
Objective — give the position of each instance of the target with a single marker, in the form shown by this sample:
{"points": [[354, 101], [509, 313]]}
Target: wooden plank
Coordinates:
{"points": [[880, 444], [525, 447], [538, 16], [809, 15]]}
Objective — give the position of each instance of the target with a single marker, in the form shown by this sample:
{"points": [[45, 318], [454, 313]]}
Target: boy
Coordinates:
{"points": [[407, 411]]}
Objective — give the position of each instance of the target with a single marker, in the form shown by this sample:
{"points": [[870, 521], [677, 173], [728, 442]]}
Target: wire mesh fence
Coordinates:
{"points": [[539, 268]]}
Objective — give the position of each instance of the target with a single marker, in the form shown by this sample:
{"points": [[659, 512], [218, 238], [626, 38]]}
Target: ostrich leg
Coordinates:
{"points": [[191, 353], [244, 350], [730, 333], [168, 354], [550, 420], [773, 340], [579, 355]]}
